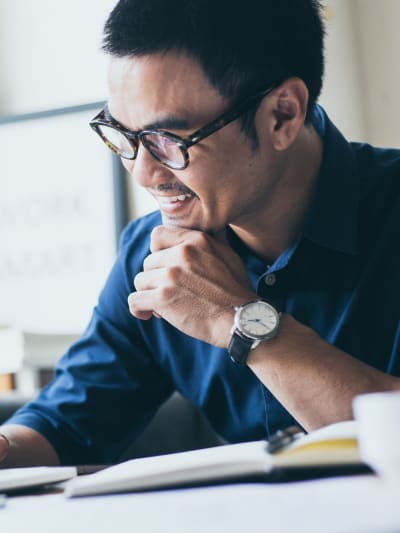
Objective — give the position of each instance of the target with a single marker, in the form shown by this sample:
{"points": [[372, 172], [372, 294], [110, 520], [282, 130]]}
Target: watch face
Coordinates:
{"points": [[258, 320]]}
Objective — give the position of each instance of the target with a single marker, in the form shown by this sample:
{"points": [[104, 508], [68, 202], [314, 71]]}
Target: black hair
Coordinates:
{"points": [[242, 46]]}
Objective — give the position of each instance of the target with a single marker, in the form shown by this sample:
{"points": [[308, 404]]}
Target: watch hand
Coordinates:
{"points": [[259, 321]]}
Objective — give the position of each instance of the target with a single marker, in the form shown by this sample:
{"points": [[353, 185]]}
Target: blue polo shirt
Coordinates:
{"points": [[341, 278]]}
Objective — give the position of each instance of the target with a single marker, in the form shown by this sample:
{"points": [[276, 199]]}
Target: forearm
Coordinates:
{"points": [[312, 379], [26, 447]]}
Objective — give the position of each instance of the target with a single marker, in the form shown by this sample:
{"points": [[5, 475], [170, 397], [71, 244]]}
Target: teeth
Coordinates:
{"points": [[179, 198], [169, 200]]}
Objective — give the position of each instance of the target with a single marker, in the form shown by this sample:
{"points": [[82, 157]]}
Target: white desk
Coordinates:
{"points": [[360, 504]]}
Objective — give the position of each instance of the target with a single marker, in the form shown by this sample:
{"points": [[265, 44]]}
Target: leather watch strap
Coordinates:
{"points": [[239, 348]]}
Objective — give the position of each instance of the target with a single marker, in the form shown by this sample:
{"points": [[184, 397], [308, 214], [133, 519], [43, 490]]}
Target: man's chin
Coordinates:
{"points": [[181, 222], [178, 222]]}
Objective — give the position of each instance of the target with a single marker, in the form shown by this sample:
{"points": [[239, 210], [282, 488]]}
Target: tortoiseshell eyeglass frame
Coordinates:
{"points": [[104, 118]]}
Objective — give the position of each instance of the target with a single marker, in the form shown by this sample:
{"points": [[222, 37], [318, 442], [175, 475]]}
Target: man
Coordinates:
{"points": [[266, 289]]}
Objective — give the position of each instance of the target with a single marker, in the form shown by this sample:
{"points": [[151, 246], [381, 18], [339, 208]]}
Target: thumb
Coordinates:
{"points": [[4, 447]]}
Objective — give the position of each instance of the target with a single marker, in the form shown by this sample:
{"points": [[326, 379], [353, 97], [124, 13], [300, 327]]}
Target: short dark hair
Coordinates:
{"points": [[242, 46]]}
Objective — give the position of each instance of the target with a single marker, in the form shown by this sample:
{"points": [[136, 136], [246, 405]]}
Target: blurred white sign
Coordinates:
{"points": [[57, 229]]}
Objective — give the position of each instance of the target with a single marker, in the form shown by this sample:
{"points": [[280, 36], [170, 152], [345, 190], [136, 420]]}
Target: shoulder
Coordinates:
{"points": [[375, 169], [376, 164], [379, 177], [379, 201]]}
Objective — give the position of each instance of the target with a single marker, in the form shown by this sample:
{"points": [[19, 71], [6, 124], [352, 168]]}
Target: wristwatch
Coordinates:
{"points": [[254, 322]]}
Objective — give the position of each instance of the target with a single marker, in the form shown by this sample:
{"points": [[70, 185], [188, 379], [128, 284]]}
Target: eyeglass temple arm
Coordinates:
{"points": [[226, 118]]}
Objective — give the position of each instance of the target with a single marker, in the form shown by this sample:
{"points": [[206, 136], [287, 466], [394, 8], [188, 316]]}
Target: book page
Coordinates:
{"points": [[220, 462]]}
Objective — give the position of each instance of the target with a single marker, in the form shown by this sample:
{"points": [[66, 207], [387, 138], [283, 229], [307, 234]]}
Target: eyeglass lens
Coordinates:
{"points": [[164, 148], [160, 146], [119, 141]]}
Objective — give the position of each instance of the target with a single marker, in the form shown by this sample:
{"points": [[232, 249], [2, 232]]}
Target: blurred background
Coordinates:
{"points": [[50, 57], [64, 199]]}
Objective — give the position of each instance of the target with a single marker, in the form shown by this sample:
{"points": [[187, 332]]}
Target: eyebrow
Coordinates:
{"points": [[173, 123]]}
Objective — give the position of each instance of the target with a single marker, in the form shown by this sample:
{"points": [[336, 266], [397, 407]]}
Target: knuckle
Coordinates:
{"points": [[200, 239], [173, 274], [188, 253], [166, 293]]}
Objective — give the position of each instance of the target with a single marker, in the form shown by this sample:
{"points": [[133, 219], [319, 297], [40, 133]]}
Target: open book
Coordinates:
{"points": [[331, 446]]}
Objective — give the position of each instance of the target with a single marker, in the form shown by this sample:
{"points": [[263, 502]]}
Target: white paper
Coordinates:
{"points": [[20, 478]]}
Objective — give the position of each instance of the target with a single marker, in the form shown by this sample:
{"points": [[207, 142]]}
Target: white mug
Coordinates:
{"points": [[378, 425]]}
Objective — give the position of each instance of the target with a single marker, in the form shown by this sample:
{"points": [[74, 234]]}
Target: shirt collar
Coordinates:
{"points": [[333, 218]]}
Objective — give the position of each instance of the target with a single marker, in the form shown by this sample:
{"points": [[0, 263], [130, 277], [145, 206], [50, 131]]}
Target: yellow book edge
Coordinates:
{"points": [[334, 451]]}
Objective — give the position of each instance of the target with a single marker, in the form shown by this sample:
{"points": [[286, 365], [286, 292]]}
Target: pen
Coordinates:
{"points": [[282, 438]]}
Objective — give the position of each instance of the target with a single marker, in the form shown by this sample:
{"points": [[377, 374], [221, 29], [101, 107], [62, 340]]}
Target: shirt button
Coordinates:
{"points": [[270, 280]]}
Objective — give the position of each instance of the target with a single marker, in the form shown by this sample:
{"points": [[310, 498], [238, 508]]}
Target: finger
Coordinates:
{"points": [[160, 259], [163, 237], [136, 310], [150, 279], [198, 248], [181, 252], [152, 300]]}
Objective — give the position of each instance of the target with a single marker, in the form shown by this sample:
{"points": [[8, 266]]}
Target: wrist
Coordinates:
{"points": [[255, 322], [292, 335], [222, 323]]}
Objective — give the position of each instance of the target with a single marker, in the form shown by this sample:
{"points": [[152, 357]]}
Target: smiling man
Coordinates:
{"points": [[266, 287]]}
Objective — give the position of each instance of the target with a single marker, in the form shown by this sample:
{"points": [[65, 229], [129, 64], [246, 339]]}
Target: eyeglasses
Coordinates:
{"points": [[169, 149]]}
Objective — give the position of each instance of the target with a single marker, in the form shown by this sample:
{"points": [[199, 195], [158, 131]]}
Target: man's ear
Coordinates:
{"points": [[289, 112]]}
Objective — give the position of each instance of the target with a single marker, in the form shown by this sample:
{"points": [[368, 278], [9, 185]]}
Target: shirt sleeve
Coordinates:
{"points": [[107, 386]]}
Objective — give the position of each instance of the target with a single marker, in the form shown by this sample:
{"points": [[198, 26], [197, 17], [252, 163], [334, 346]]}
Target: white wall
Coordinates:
{"points": [[362, 85], [379, 39], [342, 85], [49, 52]]}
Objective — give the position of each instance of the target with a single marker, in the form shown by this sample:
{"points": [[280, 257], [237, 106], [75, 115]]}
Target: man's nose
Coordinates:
{"points": [[146, 170]]}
